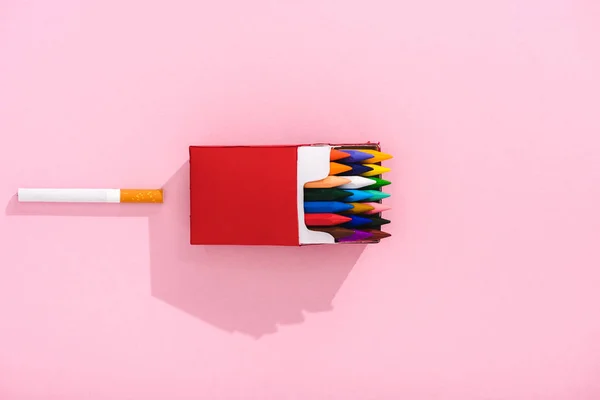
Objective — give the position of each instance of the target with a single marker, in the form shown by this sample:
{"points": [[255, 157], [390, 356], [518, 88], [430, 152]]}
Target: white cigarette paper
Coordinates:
{"points": [[90, 195]]}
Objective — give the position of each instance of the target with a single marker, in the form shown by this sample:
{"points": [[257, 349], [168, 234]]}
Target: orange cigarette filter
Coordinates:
{"points": [[141, 196]]}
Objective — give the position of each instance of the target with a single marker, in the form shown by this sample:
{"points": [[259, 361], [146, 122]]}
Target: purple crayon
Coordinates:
{"points": [[356, 156], [357, 236]]}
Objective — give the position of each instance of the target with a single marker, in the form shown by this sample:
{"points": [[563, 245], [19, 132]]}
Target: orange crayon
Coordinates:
{"points": [[360, 208], [329, 182], [337, 155], [337, 168]]}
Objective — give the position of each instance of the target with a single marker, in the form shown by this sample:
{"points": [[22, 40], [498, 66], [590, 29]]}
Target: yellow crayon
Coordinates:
{"points": [[377, 156], [375, 170]]}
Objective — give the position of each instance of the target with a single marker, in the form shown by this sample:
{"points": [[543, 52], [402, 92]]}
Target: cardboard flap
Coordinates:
{"points": [[244, 195]]}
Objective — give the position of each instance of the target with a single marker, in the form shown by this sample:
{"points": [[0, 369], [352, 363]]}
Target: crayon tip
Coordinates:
{"points": [[356, 156], [376, 156], [358, 195], [377, 221], [329, 182], [375, 195], [337, 168], [336, 231], [337, 155], [325, 219], [357, 221], [359, 208], [377, 183], [315, 207], [357, 169], [376, 208], [357, 182], [375, 170], [325, 194], [356, 237], [377, 234]]}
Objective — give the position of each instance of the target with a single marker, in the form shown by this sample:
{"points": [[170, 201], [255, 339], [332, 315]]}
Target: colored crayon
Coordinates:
{"points": [[374, 170], [357, 169], [325, 219], [356, 156], [357, 182], [356, 237], [360, 208], [336, 231], [378, 183], [372, 195], [377, 221], [356, 221], [376, 208], [377, 234], [358, 195], [377, 156], [337, 155], [329, 182], [316, 207], [337, 168], [325, 194]]}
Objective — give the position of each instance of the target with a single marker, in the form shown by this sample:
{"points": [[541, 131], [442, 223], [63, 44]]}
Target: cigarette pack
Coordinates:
{"points": [[253, 195]]}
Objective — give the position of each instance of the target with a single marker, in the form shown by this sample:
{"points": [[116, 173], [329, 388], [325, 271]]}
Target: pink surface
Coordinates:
{"points": [[489, 288]]}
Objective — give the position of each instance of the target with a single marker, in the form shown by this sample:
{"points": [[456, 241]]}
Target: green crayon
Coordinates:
{"points": [[376, 195], [378, 183]]}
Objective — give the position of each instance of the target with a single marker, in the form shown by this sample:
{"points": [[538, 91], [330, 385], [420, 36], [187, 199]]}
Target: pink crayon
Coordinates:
{"points": [[377, 208]]}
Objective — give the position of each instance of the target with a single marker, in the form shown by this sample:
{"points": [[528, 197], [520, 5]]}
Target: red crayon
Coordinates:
{"points": [[324, 219]]}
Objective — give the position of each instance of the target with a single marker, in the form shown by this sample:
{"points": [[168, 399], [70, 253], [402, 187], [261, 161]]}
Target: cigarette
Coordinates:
{"points": [[90, 195]]}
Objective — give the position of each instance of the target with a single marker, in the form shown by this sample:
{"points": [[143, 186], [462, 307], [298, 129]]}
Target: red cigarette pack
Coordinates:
{"points": [[253, 195]]}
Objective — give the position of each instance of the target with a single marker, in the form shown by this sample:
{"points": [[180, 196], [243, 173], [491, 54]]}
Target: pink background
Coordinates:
{"points": [[489, 288]]}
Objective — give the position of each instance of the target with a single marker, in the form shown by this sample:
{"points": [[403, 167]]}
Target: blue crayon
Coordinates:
{"points": [[312, 207], [357, 169], [356, 221], [358, 195], [374, 195], [356, 156]]}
